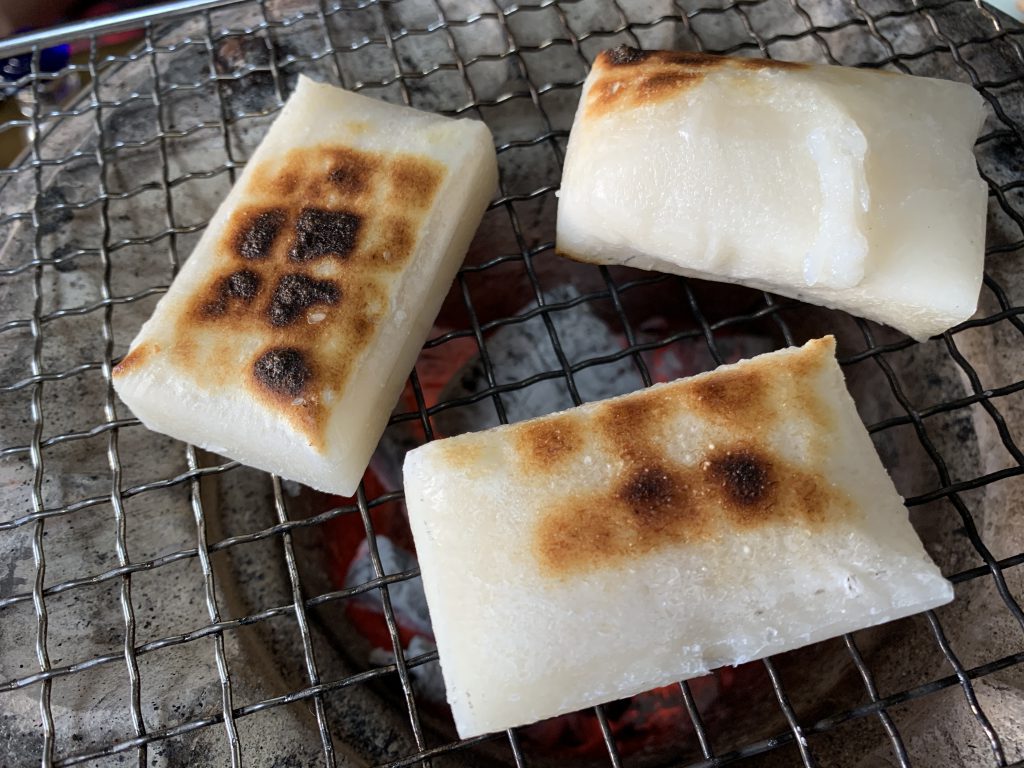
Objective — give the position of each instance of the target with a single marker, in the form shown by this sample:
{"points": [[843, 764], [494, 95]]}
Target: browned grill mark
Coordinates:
{"points": [[296, 293], [802, 373], [351, 172], [362, 328], [415, 181], [644, 89], [320, 233], [758, 64], [214, 308], [651, 508], [543, 446], [636, 91], [282, 371], [345, 180], [463, 454], [397, 242], [743, 398], [134, 359], [627, 78], [653, 494], [255, 232], [580, 537], [654, 501], [286, 184]]}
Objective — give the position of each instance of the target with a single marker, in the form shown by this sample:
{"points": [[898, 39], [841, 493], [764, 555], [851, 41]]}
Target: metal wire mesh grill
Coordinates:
{"points": [[373, 46]]}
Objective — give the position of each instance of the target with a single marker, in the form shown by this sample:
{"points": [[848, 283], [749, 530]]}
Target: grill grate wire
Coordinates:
{"points": [[286, 526]]}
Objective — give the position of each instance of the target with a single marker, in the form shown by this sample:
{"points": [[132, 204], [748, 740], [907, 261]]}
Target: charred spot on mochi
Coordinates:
{"points": [[652, 493], [254, 239], [294, 294], [242, 285], [343, 178], [320, 233], [214, 308], [746, 478], [351, 172], [649, 508], [755, 488], [625, 54], [283, 371]]}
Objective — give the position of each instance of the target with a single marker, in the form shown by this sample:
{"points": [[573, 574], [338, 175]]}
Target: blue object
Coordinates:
{"points": [[51, 60]]}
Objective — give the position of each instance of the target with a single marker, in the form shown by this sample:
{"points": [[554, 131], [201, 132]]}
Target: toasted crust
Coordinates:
{"points": [[652, 498], [656, 501], [302, 276], [625, 78]]}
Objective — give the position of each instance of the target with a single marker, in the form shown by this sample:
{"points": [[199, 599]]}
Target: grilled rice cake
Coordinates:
{"points": [[596, 553], [853, 189], [286, 338]]}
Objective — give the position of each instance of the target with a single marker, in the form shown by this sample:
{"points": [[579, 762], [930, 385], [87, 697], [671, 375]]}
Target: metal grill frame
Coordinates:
{"points": [[98, 66]]}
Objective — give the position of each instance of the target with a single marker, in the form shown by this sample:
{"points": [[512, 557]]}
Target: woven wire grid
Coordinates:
{"points": [[269, 24]]}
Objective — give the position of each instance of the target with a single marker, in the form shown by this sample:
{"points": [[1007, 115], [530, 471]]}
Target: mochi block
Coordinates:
{"points": [[286, 339], [597, 553], [850, 188]]}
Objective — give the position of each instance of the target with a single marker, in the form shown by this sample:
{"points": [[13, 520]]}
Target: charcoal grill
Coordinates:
{"points": [[161, 606]]}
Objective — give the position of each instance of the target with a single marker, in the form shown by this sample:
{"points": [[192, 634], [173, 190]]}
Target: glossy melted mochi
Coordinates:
{"points": [[599, 552], [849, 188], [286, 338]]}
